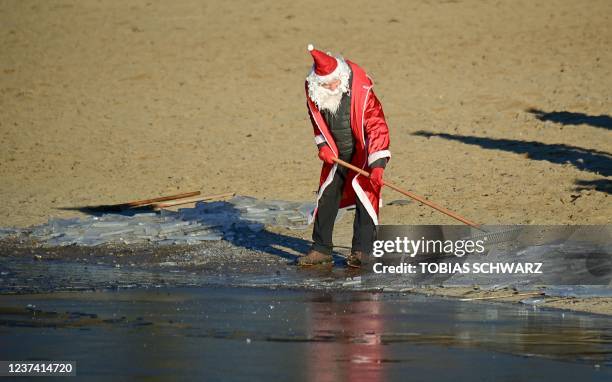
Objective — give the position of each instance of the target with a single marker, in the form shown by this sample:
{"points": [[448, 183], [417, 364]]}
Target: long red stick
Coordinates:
{"points": [[411, 195]]}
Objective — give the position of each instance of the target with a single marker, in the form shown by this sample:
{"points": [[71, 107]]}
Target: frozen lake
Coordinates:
{"points": [[225, 333]]}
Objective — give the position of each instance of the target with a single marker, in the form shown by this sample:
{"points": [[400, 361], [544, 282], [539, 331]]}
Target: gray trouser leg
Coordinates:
{"points": [[364, 229]]}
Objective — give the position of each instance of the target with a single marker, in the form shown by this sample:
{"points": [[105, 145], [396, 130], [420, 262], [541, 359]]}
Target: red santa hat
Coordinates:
{"points": [[326, 67], [324, 64]]}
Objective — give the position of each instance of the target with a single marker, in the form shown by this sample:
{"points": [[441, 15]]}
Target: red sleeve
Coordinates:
{"points": [[376, 129], [315, 129], [319, 140], [317, 134]]}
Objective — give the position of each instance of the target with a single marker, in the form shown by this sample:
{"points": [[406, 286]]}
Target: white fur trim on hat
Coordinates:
{"points": [[342, 72], [310, 47], [340, 68]]}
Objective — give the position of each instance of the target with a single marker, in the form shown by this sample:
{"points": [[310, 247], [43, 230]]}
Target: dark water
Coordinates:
{"points": [[221, 333]]}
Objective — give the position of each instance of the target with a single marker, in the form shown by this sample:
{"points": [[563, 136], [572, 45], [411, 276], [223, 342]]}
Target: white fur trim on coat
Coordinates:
{"points": [[364, 199], [319, 139], [327, 182], [377, 155]]}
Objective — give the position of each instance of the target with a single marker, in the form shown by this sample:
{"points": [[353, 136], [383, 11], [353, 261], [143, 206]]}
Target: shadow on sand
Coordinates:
{"points": [[601, 185], [594, 161], [570, 118]]}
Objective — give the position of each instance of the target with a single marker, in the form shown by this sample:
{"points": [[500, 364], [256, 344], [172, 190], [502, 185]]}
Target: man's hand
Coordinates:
{"points": [[376, 177], [326, 154]]}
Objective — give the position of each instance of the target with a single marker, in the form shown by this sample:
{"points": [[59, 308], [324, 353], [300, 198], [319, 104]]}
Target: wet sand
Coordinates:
{"points": [[26, 269]]}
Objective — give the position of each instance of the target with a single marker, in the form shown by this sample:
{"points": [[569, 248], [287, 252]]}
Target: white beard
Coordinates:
{"points": [[326, 99]]}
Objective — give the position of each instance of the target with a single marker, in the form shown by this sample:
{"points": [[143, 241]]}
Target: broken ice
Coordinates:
{"points": [[206, 221]]}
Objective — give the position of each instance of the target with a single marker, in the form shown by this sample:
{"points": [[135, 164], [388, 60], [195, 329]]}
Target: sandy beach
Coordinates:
{"points": [[499, 111]]}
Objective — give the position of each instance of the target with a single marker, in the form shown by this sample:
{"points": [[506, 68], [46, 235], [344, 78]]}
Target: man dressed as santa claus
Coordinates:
{"points": [[349, 124]]}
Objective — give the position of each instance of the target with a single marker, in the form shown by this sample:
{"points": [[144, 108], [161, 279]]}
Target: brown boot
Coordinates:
{"points": [[356, 259], [315, 258]]}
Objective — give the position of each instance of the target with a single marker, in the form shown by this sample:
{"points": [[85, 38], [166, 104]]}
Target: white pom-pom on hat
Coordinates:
{"points": [[324, 64]]}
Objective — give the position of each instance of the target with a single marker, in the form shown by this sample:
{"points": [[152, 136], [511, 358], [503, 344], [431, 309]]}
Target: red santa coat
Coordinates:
{"points": [[371, 143]]}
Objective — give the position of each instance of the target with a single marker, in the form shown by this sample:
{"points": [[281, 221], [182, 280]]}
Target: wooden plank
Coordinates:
{"points": [[191, 200], [143, 202]]}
